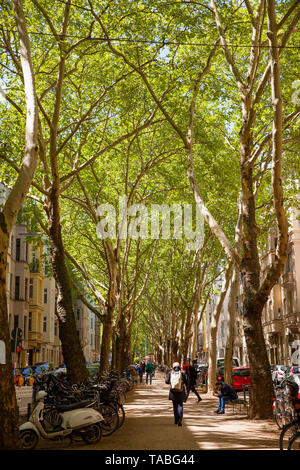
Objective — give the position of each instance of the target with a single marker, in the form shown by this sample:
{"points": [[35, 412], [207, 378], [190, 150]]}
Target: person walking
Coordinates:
{"points": [[149, 371], [191, 374], [177, 380], [225, 393], [141, 370]]}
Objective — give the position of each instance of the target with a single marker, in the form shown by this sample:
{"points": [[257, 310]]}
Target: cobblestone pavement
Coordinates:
{"points": [[149, 425]]}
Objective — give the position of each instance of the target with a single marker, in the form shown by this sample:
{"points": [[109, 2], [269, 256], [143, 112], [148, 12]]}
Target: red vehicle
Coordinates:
{"points": [[241, 376]]}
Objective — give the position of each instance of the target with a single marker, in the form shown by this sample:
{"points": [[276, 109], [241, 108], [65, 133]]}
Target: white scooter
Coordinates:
{"points": [[62, 421]]}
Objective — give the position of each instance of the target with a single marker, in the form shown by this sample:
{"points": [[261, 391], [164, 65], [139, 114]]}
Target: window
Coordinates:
{"points": [[16, 321], [18, 249], [17, 288], [26, 252], [44, 324], [31, 289], [30, 321], [279, 313], [26, 288], [25, 327], [45, 296], [12, 245], [78, 314], [55, 328]]}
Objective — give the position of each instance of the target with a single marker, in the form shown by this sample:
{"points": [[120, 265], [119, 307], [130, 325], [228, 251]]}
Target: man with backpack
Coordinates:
{"points": [[178, 383], [149, 371]]}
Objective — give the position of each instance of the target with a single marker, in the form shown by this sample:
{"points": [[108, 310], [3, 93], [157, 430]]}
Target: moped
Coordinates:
{"points": [[60, 421]]}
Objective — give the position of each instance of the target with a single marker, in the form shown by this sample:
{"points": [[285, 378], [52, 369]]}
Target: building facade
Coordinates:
{"points": [[281, 318], [281, 314], [31, 303]]}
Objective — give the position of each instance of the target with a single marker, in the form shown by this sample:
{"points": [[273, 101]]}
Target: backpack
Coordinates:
{"points": [[176, 381]]}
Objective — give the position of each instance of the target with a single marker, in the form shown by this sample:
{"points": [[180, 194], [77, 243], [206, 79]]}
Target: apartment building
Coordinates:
{"points": [[281, 317], [18, 290], [31, 302], [281, 314]]}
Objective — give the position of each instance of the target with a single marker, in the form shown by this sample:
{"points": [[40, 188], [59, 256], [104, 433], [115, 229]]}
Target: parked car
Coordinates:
{"points": [[221, 362], [241, 378], [278, 373]]}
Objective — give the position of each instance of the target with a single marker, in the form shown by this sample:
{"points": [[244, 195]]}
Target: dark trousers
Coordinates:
{"points": [[141, 377], [149, 376], [178, 410], [192, 389]]}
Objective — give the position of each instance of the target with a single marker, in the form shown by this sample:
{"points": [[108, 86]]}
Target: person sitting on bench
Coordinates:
{"points": [[225, 393]]}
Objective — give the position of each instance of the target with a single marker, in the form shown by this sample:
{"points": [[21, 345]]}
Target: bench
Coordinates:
{"points": [[239, 403]]}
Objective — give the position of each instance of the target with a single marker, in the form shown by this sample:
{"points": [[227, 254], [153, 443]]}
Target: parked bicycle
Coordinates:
{"points": [[283, 408], [105, 393], [287, 439]]}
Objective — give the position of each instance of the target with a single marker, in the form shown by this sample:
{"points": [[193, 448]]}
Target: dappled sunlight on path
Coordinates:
{"points": [[149, 425]]}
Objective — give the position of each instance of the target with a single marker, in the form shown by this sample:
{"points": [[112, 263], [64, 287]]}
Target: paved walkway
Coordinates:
{"points": [[149, 425]]}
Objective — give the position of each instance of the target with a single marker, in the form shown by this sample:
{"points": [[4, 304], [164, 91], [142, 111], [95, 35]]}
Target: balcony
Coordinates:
{"points": [[273, 327], [288, 281], [35, 337], [35, 266], [292, 322]]}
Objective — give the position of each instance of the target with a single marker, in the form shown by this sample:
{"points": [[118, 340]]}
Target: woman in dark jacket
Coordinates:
{"points": [[177, 396], [191, 375]]}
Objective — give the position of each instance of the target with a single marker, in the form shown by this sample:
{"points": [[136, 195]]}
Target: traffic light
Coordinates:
{"points": [[16, 341]]}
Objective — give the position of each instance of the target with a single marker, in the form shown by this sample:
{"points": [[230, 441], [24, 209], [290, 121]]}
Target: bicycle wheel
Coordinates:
{"points": [[121, 413], [287, 433], [111, 419], [278, 415], [120, 410], [295, 442], [122, 397]]}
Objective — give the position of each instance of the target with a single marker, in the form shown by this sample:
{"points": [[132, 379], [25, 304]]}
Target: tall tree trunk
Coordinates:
{"points": [[71, 347], [120, 342], [112, 261], [9, 436], [107, 339], [231, 328], [212, 352], [8, 401]]}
